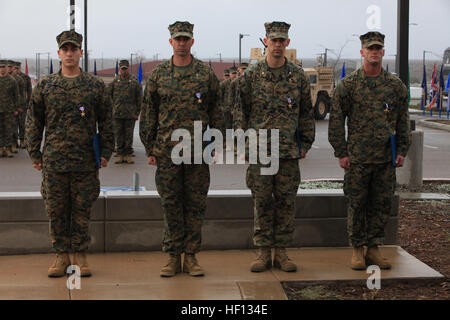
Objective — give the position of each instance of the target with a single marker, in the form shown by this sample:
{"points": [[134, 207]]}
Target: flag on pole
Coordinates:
{"points": [[433, 88], [26, 66], [441, 91], [51, 66], [423, 102], [117, 68], [140, 72], [447, 88], [95, 67], [343, 71]]}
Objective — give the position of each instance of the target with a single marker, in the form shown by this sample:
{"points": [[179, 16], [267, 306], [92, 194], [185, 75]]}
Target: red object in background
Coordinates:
{"points": [[26, 66]]}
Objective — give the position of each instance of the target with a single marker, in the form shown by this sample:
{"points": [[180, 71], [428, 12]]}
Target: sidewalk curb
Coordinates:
{"points": [[434, 125]]}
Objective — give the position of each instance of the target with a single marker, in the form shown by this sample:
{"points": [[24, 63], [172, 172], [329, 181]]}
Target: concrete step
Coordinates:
{"points": [[135, 275]]}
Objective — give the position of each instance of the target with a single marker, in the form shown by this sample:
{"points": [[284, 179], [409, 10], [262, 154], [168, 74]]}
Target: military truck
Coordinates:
{"points": [[320, 79]]}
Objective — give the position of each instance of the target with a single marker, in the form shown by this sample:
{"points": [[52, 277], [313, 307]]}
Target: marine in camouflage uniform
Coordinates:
{"points": [[376, 108], [178, 92], [224, 102], [69, 109], [223, 93], [27, 95], [276, 98], [9, 102], [21, 103], [126, 96], [231, 97]]}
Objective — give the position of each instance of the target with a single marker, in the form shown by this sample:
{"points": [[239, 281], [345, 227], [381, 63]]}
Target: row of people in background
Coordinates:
{"points": [[15, 94]]}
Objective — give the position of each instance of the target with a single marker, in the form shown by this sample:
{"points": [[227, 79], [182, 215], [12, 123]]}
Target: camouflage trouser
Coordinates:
{"points": [[274, 203], [15, 129], [183, 190], [228, 118], [21, 124], [369, 189], [123, 132], [68, 198], [6, 127]]}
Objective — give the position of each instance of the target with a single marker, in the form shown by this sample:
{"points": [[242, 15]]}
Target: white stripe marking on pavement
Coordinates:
{"points": [[425, 145]]}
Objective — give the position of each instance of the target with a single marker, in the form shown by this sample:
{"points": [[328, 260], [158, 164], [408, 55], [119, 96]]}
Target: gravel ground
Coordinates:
{"points": [[424, 232]]}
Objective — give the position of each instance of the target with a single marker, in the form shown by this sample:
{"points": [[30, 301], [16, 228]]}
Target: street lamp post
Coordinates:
{"points": [[395, 62], [131, 61], [240, 38], [424, 52], [325, 57], [38, 63], [220, 56]]}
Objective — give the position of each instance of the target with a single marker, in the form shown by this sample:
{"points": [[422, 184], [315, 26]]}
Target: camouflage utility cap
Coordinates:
{"points": [[18, 63], [3, 63], [124, 64], [226, 72], [11, 63], [372, 38], [181, 29], [277, 29], [69, 37], [243, 65], [233, 70]]}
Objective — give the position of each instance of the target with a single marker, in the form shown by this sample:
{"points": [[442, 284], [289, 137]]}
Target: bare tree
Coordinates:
{"points": [[338, 54]]}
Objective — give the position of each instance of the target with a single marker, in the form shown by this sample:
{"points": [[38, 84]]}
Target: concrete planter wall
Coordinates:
{"points": [[133, 221]]}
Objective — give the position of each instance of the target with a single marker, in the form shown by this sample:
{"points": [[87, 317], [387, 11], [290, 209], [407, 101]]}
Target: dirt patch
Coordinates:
{"points": [[424, 232], [440, 121], [428, 187]]}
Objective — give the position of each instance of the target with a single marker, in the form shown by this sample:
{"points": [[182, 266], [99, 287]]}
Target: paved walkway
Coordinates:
{"points": [[135, 275]]}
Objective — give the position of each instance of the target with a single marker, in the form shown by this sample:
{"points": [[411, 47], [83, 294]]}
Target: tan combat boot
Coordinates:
{"points": [[282, 261], [80, 260], [263, 261], [14, 148], [22, 144], [59, 266], [129, 160], [374, 257], [119, 160], [2, 152], [172, 267], [8, 152], [358, 258], [191, 266]]}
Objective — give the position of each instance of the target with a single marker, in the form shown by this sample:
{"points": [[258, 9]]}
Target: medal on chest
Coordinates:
{"points": [[199, 97], [289, 101], [387, 108], [82, 109]]}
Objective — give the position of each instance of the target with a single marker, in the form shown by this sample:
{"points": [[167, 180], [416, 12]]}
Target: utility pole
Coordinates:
{"points": [[240, 38], [86, 55], [403, 40]]}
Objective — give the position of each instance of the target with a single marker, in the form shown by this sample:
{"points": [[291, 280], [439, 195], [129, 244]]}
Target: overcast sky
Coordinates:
{"points": [[117, 28]]}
